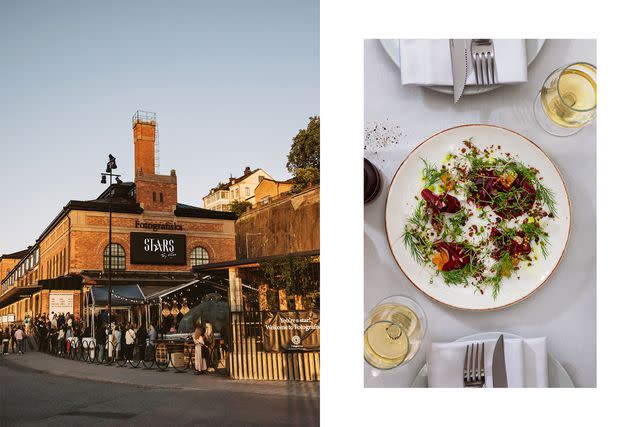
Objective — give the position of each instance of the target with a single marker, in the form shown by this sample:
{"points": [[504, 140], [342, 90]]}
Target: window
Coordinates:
{"points": [[161, 198], [199, 256], [247, 192], [154, 196], [260, 178], [117, 257]]}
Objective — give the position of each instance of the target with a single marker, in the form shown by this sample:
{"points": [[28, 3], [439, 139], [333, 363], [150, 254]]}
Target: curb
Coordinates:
{"points": [[4, 361], [20, 367]]}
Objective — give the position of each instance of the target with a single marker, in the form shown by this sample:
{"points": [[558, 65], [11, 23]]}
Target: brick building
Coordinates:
{"points": [[155, 241]]}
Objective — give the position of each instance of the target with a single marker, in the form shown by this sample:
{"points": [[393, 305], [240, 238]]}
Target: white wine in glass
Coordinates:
{"points": [[393, 332], [568, 99]]}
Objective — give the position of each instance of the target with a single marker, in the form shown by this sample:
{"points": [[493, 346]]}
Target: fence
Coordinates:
{"points": [[249, 361]]}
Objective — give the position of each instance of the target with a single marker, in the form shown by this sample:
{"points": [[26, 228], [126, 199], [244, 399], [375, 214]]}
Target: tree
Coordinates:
{"points": [[239, 207], [303, 160]]}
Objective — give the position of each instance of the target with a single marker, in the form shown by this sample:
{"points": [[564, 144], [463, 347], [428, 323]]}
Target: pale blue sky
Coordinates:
{"points": [[231, 81]]}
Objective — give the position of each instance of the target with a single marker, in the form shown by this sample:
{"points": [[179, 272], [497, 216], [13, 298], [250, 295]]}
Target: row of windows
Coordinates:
{"points": [[198, 256], [161, 197], [56, 266]]}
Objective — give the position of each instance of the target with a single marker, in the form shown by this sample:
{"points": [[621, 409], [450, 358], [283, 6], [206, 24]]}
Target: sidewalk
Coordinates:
{"points": [[139, 377]]}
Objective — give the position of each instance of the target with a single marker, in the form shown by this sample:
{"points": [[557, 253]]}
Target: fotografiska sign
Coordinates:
{"points": [[156, 248], [155, 226]]}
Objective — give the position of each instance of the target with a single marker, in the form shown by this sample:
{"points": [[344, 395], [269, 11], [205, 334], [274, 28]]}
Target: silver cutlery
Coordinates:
{"points": [[473, 369], [499, 370], [459, 68], [484, 61]]}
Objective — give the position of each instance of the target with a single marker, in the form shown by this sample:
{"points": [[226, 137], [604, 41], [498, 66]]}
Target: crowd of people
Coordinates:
{"points": [[60, 333]]}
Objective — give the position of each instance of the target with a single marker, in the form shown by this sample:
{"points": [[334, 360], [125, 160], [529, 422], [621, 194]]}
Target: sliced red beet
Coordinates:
{"points": [[443, 203], [458, 258]]}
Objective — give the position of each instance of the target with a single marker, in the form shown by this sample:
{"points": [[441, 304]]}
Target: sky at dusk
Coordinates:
{"points": [[231, 83]]}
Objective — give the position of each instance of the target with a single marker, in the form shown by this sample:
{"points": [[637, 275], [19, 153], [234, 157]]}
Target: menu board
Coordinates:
{"points": [[61, 302], [4, 319]]}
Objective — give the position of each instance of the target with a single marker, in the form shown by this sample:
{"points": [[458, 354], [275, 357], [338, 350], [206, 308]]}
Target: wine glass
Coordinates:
{"points": [[393, 332], [567, 101]]}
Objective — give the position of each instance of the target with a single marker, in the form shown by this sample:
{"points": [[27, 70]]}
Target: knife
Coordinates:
{"points": [[499, 368], [458, 49]]}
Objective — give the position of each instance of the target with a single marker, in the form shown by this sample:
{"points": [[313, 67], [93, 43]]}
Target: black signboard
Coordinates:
{"points": [[291, 331], [156, 248]]}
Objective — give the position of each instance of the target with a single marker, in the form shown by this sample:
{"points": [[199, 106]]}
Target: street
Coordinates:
{"points": [[35, 398]]}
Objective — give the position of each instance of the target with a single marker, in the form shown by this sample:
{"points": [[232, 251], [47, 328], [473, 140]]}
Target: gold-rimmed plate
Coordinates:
{"points": [[401, 201]]}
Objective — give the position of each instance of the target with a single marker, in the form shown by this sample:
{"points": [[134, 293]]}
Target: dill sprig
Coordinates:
{"points": [[414, 235], [536, 234], [463, 275], [430, 174], [501, 268], [543, 193]]}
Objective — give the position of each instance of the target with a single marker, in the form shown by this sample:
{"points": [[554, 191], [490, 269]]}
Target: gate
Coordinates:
{"points": [[249, 361]]}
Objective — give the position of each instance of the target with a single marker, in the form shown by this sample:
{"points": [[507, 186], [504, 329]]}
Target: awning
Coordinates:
{"points": [[121, 295], [71, 282], [248, 262], [163, 293]]}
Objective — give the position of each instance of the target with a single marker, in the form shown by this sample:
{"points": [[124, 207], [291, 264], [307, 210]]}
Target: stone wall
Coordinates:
{"points": [[287, 225]]}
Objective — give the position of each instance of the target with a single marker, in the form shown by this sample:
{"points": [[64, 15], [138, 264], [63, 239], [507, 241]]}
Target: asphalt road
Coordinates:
{"points": [[29, 398]]}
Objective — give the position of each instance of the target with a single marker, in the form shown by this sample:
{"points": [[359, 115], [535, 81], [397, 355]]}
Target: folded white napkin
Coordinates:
{"points": [[428, 62], [525, 360]]}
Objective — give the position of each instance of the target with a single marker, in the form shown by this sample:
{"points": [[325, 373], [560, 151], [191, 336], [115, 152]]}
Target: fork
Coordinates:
{"points": [[484, 61], [473, 369]]}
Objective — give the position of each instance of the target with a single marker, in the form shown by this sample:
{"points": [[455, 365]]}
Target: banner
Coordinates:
{"points": [[291, 331], [61, 302], [157, 249]]}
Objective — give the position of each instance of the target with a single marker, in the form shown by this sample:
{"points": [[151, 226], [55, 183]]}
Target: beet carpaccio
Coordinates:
{"points": [[480, 217]]}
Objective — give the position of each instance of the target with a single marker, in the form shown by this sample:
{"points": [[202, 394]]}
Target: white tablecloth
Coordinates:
{"points": [[564, 309]]}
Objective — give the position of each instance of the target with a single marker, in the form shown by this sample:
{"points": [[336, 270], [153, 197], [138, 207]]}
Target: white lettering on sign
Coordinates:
{"points": [[159, 245], [60, 302]]}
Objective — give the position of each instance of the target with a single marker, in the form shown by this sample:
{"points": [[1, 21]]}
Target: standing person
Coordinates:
{"points": [[117, 340], [130, 341], [101, 338], [200, 362], [5, 342], [20, 335], [61, 334], [12, 339]]}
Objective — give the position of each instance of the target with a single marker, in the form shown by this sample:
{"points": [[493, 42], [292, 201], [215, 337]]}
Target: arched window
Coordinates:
{"points": [[199, 256], [117, 257]]}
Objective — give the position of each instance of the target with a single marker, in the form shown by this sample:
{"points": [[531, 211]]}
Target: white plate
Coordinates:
{"points": [[392, 47], [401, 201], [558, 376]]}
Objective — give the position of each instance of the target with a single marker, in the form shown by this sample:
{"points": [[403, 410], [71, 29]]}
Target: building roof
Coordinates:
{"points": [[124, 201], [16, 255], [233, 181]]}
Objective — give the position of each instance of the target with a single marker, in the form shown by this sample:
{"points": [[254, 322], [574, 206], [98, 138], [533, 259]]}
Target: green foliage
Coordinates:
{"points": [[293, 274], [303, 160], [239, 207], [305, 177]]}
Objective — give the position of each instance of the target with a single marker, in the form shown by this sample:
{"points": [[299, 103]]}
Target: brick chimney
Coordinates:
{"points": [[154, 192], [144, 141]]}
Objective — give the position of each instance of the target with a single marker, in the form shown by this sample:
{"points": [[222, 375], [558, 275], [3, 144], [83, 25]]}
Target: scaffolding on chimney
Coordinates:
{"points": [[149, 118]]}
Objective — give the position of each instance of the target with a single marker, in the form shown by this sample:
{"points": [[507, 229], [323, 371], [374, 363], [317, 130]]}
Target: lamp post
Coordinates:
{"points": [[111, 164]]}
